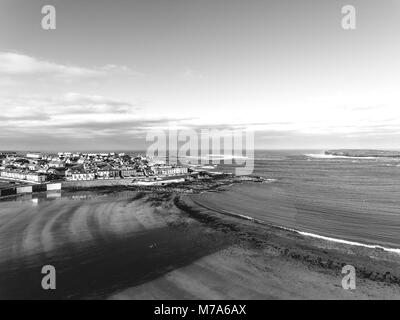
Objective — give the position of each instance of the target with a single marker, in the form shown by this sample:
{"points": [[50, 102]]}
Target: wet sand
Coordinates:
{"points": [[133, 245]]}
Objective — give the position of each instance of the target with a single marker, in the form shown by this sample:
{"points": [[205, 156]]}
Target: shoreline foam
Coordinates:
{"points": [[303, 233]]}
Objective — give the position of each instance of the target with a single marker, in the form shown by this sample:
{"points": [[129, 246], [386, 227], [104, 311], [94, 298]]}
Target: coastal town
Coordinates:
{"points": [[47, 174], [39, 168]]}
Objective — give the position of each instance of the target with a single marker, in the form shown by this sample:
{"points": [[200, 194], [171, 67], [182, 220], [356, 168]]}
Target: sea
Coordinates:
{"points": [[104, 242], [345, 199]]}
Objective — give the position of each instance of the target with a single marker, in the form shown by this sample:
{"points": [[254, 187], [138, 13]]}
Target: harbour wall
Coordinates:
{"points": [[26, 189], [122, 182], [96, 183]]}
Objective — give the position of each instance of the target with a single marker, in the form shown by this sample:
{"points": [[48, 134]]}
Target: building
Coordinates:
{"points": [[129, 173], [36, 177], [34, 155], [33, 167], [14, 174], [56, 164], [24, 175], [79, 175], [169, 170], [107, 173]]}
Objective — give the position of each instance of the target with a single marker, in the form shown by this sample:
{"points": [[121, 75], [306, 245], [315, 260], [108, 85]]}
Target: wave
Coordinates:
{"points": [[229, 157], [331, 156], [269, 180], [330, 239], [303, 233], [352, 243], [217, 157]]}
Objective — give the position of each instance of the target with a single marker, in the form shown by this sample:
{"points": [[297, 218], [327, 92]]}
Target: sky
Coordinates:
{"points": [[112, 71]]}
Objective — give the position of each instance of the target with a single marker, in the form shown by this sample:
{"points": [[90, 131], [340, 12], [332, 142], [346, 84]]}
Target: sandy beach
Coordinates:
{"points": [[136, 245]]}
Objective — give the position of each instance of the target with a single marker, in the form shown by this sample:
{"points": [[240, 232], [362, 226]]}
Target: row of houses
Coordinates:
{"points": [[169, 170], [36, 167], [23, 175], [101, 174], [124, 173]]}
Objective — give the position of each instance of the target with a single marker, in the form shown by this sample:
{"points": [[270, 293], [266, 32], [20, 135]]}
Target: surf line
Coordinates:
{"points": [[303, 233], [353, 243]]}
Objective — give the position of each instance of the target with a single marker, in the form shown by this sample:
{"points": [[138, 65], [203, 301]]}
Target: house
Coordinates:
{"points": [[24, 175], [33, 167], [82, 161], [70, 161], [53, 173], [21, 163], [33, 155], [13, 174], [56, 164], [107, 172], [127, 172], [36, 177], [169, 170], [76, 175]]}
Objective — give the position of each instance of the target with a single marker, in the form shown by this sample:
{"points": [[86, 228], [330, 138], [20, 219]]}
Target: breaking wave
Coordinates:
{"points": [[330, 156]]}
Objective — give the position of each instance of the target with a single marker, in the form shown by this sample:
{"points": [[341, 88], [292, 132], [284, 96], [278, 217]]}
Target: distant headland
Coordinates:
{"points": [[363, 153]]}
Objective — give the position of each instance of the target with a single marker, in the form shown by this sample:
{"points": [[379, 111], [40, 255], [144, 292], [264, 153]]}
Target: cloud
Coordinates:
{"points": [[84, 104], [76, 114], [113, 68], [29, 109], [17, 64], [8, 82], [190, 73]]}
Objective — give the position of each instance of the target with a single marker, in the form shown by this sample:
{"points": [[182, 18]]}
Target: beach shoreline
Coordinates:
{"points": [[317, 260], [164, 245], [267, 262]]}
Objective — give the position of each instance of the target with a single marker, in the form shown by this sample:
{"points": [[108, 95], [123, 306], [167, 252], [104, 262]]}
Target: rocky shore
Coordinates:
{"points": [[260, 261], [210, 183], [377, 271]]}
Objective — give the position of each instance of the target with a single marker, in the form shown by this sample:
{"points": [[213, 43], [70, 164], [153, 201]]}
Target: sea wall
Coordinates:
{"points": [[54, 186], [96, 183], [158, 183], [8, 192], [121, 182], [26, 189]]}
